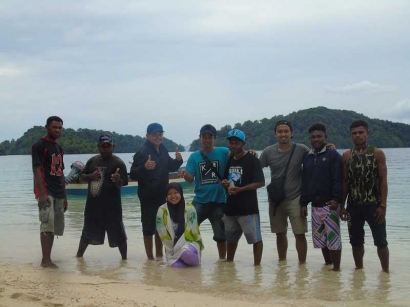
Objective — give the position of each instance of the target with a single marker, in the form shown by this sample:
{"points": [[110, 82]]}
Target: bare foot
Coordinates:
{"points": [[49, 265]]}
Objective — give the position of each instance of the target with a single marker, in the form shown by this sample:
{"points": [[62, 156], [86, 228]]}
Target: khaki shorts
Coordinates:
{"points": [[291, 209], [51, 216]]}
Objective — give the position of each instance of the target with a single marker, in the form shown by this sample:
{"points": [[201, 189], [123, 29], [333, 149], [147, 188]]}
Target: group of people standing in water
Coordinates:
{"points": [[226, 181]]}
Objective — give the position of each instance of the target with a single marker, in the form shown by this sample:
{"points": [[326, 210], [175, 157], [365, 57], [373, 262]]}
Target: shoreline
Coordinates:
{"points": [[29, 285]]}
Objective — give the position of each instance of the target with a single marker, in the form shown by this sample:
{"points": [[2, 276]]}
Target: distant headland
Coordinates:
{"points": [[383, 134]]}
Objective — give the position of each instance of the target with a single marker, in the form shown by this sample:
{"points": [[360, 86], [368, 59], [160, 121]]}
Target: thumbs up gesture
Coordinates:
{"points": [[116, 176], [178, 155], [150, 164]]}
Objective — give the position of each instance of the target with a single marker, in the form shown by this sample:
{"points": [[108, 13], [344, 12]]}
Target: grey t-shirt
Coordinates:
{"points": [[276, 160]]}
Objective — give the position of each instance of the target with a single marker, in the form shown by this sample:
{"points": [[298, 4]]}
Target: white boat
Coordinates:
{"points": [[75, 187]]}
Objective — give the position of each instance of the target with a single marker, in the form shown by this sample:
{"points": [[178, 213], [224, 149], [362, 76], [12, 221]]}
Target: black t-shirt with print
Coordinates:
{"points": [[47, 154], [242, 172], [104, 198]]}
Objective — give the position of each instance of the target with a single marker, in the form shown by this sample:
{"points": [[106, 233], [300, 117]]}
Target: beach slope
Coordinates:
{"points": [[34, 286]]}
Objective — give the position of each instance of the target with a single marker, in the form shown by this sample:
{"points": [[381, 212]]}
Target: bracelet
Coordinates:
{"points": [[383, 206]]}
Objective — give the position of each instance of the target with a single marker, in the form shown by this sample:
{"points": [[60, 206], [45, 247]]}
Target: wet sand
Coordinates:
{"points": [[22, 286], [102, 279], [29, 285]]}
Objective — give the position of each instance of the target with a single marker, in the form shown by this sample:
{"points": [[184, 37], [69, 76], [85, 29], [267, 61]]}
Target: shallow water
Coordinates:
{"points": [[284, 282]]}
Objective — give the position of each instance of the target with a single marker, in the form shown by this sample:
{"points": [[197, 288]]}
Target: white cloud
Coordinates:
{"points": [[361, 87], [11, 71], [399, 111], [121, 65]]}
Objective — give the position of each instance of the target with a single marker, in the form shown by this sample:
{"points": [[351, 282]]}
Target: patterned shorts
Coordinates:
{"points": [[326, 228]]}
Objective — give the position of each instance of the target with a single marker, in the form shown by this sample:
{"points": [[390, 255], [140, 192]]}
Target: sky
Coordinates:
{"points": [[121, 65]]}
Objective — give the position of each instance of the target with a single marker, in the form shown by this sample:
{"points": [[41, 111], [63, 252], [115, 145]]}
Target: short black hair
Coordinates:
{"points": [[317, 126], [283, 122], [359, 123], [52, 119]]}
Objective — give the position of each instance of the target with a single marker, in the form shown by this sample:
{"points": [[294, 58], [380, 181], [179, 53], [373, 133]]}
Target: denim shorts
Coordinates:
{"points": [[51, 216], [214, 212], [249, 225], [360, 214]]}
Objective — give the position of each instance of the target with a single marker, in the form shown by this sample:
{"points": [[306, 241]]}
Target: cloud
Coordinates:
{"points": [[11, 71], [361, 87], [399, 111]]}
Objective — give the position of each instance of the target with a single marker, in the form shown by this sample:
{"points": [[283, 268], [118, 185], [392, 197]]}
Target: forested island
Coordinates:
{"points": [[259, 134], [79, 141]]}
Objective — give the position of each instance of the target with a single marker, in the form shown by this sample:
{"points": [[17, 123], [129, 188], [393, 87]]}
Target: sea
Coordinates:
{"points": [[289, 283]]}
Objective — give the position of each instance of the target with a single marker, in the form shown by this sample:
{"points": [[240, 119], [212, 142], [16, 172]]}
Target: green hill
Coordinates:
{"points": [[259, 133], [78, 142]]}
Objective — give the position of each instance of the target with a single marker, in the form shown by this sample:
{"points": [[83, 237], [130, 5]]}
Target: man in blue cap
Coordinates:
{"points": [[151, 168], [243, 176]]}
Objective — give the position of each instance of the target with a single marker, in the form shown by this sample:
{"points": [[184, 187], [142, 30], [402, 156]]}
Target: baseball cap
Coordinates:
{"points": [[154, 127], [106, 138], [284, 122], [236, 133], [208, 129]]}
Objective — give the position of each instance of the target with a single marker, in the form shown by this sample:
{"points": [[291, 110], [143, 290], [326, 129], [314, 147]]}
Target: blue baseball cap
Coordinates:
{"points": [[106, 138], [236, 133], [154, 127]]}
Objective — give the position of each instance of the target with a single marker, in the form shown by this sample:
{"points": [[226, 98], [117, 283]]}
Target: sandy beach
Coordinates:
{"points": [[32, 286], [102, 279]]}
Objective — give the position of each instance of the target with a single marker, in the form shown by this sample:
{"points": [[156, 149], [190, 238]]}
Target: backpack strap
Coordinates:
{"points": [[290, 158]]}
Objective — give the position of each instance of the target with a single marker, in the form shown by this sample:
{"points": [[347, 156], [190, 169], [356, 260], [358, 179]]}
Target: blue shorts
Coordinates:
{"points": [[247, 224], [360, 214], [214, 212]]}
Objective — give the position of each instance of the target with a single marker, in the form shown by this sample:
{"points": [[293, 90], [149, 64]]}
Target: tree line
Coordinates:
{"points": [[80, 141], [259, 134]]}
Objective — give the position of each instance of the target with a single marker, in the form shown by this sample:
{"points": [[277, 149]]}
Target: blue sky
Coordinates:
{"points": [[120, 65]]}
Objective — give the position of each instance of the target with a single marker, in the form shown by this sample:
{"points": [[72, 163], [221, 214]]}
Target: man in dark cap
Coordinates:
{"points": [[151, 168], [206, 168], [276, 157], [106, 174]]}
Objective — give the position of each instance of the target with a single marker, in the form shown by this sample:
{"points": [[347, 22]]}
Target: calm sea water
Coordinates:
{"points": [[285, 282]]}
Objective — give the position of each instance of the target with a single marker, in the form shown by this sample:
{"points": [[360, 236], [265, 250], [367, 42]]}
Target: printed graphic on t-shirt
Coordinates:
{"points": [[207, 172], [235, 174], [56, 165], [96, 185]]}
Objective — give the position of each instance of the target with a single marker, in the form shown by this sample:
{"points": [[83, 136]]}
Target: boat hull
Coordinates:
{"points": [[131, 188]]}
